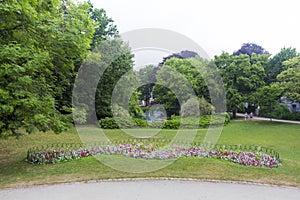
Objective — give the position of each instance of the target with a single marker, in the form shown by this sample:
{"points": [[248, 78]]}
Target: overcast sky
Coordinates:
{"points": [[216, 25]]}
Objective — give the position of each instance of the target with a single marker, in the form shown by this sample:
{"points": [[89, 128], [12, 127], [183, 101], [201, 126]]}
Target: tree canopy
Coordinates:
{"points": [[275, 65], [183, 77], [46, 44], [40, 42], [241, 77], [105, 28], [289, 79], [249, 49]]}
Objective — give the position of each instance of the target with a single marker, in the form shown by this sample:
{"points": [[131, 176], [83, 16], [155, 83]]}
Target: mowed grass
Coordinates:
{"points": [[285, 138]]}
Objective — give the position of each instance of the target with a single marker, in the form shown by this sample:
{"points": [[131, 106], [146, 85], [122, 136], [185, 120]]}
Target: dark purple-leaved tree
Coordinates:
{"points": [[182, 55], [249, 49]]}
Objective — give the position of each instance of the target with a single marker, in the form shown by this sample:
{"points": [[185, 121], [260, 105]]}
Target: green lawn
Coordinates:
{"points": [[285, 138]]}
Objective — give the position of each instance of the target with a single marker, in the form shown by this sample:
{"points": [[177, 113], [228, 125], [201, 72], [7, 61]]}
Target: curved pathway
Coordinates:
{"points": [[269, 119], [152, 190]]}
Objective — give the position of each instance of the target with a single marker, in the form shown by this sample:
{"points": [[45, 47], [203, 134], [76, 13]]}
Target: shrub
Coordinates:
{"points": [[125, 122], [140, 122], [205, 121], [108, 123], [155, 124], [121, 122], [278, 111], [291, 116], [174, 123], [188, 108], [171, 124], [119, 111], [205, 107], [194, 122], [219, 119], [227, 117], [79, 115]]}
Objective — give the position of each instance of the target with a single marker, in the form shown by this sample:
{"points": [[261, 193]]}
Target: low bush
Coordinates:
{"points": [[174, 123], [279, 111], [121, 122], [155, 124], [125, 122], [171, 124], [291, 116], [140, 122], [193, 122], [108, 123]]}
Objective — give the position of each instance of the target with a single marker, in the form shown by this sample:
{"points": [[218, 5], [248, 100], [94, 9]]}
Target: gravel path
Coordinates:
{"points": [[152, 190], [269, 119]]}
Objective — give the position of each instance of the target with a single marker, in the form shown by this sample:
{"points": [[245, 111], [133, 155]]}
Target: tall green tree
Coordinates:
{"points": [[183, 77], [289, 79], [69, 48], [241, 77], [103, 68], [105, 28], [39, 43], [276, 66], [249, 49], [108, 81], [267, 97], [126, 94], [144, 75]]}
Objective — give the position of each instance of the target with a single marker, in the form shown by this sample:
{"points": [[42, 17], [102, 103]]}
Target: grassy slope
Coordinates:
{"points": [[285, 138]]}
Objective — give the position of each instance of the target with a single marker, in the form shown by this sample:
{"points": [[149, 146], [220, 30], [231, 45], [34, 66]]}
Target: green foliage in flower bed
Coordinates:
{"points": [[257, 157], [174, 123]]}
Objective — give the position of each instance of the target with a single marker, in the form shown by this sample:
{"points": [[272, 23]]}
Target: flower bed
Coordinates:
{"points": [[153, 151]]}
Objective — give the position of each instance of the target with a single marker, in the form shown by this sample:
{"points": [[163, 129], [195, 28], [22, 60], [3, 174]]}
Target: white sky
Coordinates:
{"points": [[216, 25]]}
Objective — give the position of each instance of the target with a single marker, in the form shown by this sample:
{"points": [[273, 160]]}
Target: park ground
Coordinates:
{"points": [[283, 137]]}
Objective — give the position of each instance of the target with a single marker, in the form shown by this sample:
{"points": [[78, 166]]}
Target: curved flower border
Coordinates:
{"points": [[153, 151]]}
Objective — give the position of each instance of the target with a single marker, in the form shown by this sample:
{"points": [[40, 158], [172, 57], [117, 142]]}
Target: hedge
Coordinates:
{"points": [[174, 123]]}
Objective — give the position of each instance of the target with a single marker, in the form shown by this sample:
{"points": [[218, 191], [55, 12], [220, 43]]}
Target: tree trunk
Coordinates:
{"points": [[234, 114]]}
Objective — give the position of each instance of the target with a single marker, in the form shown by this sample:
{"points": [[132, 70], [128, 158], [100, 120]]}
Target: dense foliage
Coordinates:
{"points": [[276, 66], [254, 80], [40, 43], [249, 49], [179, 80], [44, 44], [174, 123]]}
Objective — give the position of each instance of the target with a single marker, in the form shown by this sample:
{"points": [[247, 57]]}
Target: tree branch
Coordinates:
{"points": [[12, 28]]}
